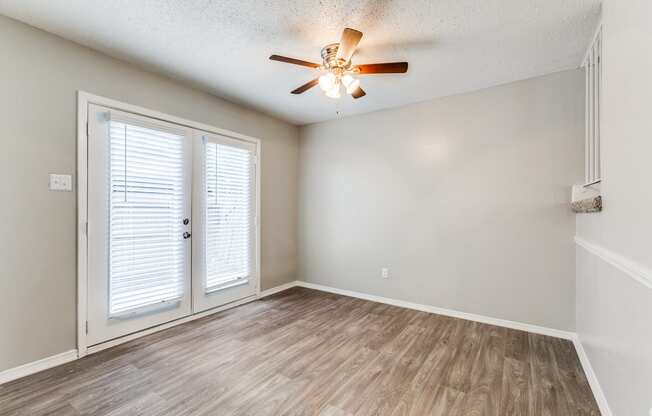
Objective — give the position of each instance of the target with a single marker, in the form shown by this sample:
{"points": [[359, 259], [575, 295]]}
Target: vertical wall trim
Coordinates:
{"points": [[593, 72], [82, 220]]}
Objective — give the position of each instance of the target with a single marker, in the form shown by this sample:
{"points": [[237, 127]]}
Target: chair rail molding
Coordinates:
{"points": [[633, 269]]}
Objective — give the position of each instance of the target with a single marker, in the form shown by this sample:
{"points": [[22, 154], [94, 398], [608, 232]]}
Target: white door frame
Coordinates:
{"points": [[83, 100]]}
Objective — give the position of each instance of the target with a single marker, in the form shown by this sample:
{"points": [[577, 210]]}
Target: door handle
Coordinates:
{"points": [[186, 235]]}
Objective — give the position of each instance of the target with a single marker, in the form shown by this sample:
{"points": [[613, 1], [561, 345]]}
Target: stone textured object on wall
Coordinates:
{"points": [[587, 205]]}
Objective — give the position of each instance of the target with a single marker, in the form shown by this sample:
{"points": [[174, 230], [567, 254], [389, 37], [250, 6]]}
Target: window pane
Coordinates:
{"points": [[146, 258], [229, 214]]}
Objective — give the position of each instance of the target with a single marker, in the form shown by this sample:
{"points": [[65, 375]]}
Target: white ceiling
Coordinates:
{"points": [[452, 46]]}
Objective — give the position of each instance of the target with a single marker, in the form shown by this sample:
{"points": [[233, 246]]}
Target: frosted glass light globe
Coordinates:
{"points": [[327, 81], [334, 92]]}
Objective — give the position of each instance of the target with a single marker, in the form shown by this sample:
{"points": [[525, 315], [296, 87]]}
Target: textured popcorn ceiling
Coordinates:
{"points": [[452, 46]]}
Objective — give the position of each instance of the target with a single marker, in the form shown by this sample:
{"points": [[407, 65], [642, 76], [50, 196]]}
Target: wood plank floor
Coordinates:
{"points": [[304, 352]]}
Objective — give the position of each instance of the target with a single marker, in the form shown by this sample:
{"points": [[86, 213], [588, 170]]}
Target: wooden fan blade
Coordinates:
{"points": [[293, 61], [305, 87], [348, 43], [385, 68], [358, 93]]}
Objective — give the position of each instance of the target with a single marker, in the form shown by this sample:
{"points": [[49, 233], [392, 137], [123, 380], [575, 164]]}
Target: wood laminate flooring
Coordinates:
{"points": [[305, 352]]}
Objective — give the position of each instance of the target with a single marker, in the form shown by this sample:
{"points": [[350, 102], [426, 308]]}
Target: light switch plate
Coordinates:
{"points": [[60, 182]]}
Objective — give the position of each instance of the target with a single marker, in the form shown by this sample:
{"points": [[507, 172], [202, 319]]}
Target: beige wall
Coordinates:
{"points": [[614, 312], [39, 77], [464, 198]]}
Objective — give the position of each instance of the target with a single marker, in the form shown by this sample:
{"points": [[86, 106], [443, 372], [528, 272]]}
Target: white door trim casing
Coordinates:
{"points": [[83, 101]]}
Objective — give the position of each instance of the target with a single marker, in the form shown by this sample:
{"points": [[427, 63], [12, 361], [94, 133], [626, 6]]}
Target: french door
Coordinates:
{"points": [[171, 222], [224, 212]]}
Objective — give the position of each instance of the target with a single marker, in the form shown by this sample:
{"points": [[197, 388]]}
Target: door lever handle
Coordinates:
{"points": [[186, 235]]}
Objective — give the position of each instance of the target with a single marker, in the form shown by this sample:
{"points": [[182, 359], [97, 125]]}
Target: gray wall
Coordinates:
{"points": [[464, 198], [39, 77], [614, 311]]}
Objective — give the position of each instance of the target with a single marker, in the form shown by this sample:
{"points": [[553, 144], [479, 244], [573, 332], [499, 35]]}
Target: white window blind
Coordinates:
{"points": [[146, 258], [229, 202]]}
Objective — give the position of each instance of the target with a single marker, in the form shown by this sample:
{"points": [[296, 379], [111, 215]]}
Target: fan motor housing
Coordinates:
{"points": [[329, 56]]}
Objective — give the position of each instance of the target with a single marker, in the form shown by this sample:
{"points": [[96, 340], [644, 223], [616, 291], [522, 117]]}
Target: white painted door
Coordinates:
{"points": [[139, 206], [225, 216]]}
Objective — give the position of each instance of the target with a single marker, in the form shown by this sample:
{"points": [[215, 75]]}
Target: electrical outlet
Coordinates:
{"points": [[384, 272], [60, 182]]}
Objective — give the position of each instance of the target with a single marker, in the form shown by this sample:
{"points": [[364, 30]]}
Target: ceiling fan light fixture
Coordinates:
{"points": [[337, 68], [353, 85], [327, 81], [334, 92]]}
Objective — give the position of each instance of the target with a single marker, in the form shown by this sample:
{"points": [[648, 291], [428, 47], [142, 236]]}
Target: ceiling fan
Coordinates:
{"points": [[338, 70]]}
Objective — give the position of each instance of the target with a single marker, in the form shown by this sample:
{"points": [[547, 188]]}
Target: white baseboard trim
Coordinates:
{"points": [[572, 336], [598, 393], [65, 357], [447, 312], [276, 289], [37, 366], [55, 360], [636, 271]]}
